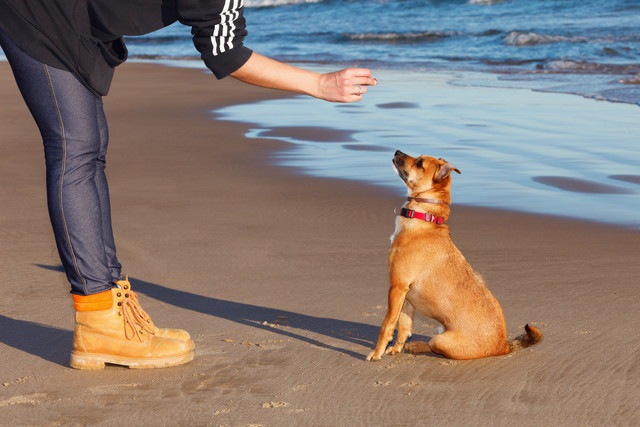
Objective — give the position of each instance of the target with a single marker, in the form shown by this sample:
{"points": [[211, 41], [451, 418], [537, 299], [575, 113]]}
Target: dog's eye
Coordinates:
{"points": [[419, 163]]}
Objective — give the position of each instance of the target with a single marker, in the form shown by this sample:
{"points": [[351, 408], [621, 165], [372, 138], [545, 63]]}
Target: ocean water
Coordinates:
{"points": [[536, 101], [589, 47]]}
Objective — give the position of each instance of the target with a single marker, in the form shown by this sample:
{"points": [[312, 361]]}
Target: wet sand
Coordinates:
{"points": [[281, 279]]}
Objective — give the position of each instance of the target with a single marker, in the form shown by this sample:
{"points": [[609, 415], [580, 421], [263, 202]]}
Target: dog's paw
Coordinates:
{"points": [[408, 347], [398, 348], [372, 357]]}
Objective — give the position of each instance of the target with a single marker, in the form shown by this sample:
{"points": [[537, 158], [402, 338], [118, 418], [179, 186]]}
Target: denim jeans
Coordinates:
{"points": [[74, 132]]}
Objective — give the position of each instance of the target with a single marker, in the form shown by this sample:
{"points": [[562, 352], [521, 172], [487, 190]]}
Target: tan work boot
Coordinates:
{"points": [[111, 327], [176, 334]]}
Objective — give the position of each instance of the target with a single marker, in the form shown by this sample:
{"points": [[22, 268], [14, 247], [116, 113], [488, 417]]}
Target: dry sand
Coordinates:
{"points": [[282, 281]]}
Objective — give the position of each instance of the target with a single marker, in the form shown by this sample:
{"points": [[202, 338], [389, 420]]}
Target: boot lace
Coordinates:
{"points": [[136, 320]]}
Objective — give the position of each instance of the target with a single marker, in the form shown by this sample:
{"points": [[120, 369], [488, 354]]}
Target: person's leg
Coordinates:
{"points": [[103, 193], [75, 136], [110, 325]]}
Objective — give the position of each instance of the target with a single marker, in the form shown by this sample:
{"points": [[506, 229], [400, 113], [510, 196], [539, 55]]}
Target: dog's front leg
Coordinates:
{"points": [[397, 296], [405, 324]]}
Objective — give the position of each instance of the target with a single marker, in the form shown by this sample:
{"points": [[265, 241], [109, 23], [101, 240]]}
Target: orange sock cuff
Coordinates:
{"points": [[95, 302]]}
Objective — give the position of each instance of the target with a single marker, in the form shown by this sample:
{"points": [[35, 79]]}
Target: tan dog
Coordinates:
{"points": [[428, 273]]}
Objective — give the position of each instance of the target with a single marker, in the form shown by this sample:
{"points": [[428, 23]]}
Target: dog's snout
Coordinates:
{"points": [[399, 157]]}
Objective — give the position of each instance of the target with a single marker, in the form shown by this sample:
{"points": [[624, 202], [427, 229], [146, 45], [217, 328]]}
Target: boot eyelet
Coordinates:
{"points": [[119, 294], [119, 303], [126, 295], [126, 287]]}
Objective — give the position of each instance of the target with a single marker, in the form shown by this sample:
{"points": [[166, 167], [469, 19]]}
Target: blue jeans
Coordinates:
{"points": [[75, 136]]}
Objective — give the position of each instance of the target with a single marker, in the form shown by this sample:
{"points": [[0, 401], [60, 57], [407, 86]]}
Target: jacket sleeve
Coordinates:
{"points": [[218, 29]]}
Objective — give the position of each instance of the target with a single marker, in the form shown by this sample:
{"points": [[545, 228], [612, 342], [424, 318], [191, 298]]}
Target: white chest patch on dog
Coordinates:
{"points": [[396, 231]]}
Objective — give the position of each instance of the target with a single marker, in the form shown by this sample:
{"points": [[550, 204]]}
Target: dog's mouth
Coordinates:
{"points": [[398, 165], [401, 173]]}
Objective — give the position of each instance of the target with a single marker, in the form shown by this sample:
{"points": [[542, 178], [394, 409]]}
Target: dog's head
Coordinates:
{"points": [[424, 173]]}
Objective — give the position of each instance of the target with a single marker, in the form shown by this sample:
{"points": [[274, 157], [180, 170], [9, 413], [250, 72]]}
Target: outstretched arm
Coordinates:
{"points": [[346, 85], [218, 29]]}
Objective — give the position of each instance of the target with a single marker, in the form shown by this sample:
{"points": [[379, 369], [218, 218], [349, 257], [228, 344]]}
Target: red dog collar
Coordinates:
{"points": [[409, 213]]}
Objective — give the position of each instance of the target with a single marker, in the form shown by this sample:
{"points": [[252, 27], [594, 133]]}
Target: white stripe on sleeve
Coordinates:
{"points": [[224, 32]]}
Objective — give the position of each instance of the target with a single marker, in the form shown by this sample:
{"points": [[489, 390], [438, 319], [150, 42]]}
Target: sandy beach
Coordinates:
{"points": [[282, 279]]}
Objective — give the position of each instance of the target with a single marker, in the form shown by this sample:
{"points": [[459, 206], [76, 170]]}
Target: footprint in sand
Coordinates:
{"points": [[268, 405], [27, 399], [410, 384], [112, 388], [263, 345], [301, 387], [16, 381]]}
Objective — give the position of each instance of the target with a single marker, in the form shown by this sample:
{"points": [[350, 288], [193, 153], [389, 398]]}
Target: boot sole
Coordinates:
{"points": [[90, 361]]}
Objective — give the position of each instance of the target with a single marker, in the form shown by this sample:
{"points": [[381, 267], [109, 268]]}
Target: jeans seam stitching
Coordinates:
{"points": [[60, 187]]}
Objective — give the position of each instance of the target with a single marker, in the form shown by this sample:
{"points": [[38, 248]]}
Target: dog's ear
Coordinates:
{"points": [[444, 171]]}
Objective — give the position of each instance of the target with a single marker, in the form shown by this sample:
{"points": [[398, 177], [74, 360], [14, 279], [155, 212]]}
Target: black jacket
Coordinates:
{"points": [[85, 36]]}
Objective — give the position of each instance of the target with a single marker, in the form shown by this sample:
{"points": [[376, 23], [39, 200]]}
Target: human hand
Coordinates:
{"points": [[347, 85]]}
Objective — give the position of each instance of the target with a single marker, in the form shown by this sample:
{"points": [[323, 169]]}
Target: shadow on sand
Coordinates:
{"points": [[49, 343], [293, 325]]}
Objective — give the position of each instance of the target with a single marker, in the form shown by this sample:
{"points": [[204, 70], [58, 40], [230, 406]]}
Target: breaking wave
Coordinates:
{"points": [[525, 38], [583, 67], [399, 37], [519, 38]]}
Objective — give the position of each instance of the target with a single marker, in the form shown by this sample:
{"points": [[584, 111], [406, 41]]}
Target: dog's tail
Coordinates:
{"points": [[531, 337]]}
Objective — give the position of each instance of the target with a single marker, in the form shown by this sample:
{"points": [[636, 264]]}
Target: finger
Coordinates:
{"points": [[360, 85], [361, 76], [359, 90], [358, 76], [358, 72], [366, 81]]}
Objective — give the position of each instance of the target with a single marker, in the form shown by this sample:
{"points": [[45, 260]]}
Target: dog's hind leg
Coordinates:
{"points": [[405, 324], [418, 347], [438, 344], [450, 344], [397, 295]]}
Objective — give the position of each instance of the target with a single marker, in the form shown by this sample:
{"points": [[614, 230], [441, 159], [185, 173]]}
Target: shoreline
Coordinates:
{"points": [[281, 280]]}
